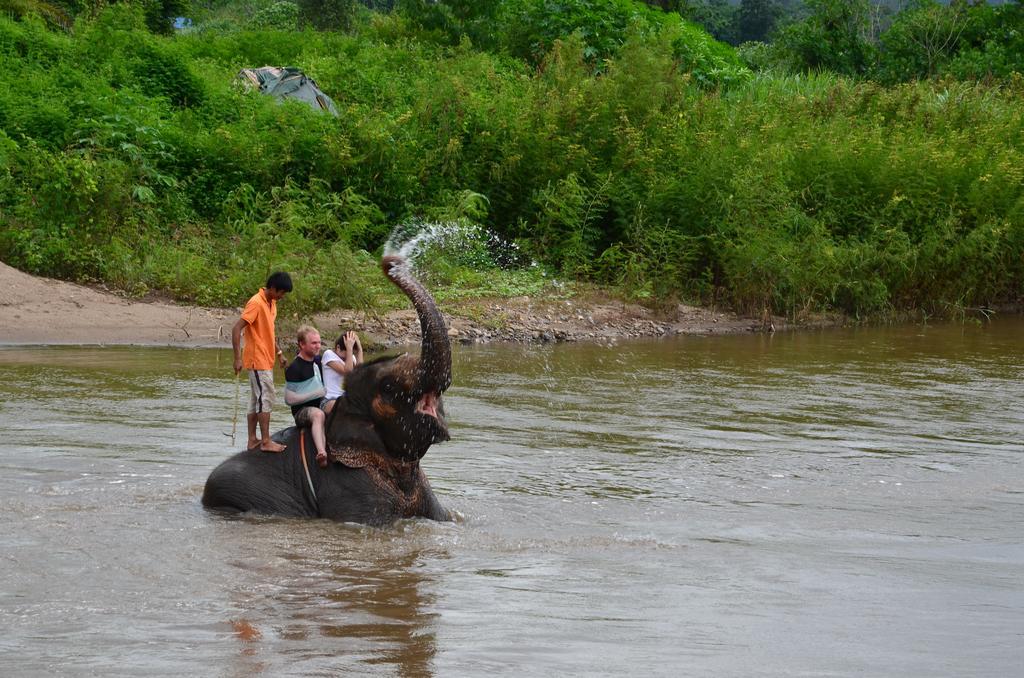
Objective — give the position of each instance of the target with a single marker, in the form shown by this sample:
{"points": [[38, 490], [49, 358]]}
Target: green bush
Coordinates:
{"points": [[836, 36], [161, 73], [160, 14], [326, 15], [710, 63], [664, 168], [450, 21], [921, 40], [53, 13], [992, 44], [282, 15], [529, 28]]}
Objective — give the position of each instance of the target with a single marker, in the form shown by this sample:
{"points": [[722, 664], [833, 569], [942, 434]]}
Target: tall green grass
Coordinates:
{"points": [[133, 159]]}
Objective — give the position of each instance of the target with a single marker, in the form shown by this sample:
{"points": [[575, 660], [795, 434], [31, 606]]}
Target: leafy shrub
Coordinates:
{"points": [[53, 13], [760, 56], [160, 14], [327, 14], [529, 28], [756, 19], [282, 15], [30, 41], [717, 17], [667, 170], [711, 63], [162, 73], [992, 44], [567, 228], [449, 21], [836, 36], [921, 40]]}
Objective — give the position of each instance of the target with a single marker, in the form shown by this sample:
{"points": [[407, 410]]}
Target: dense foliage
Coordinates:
{"points": [[928, 38], [651, 161]]}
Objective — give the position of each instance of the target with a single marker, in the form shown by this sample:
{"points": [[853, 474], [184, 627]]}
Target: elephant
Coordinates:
{"points": [[377, 433]]}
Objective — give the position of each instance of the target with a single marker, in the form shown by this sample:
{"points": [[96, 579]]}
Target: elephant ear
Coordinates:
{"points": [[363, 383], [348, 434], [351, 422]]}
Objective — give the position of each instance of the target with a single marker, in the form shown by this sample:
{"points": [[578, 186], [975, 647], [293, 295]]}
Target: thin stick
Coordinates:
{"points": [[234, 419]]}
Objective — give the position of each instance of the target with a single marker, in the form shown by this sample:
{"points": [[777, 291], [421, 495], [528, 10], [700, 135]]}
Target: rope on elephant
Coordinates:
{"points": [[305, 467]]}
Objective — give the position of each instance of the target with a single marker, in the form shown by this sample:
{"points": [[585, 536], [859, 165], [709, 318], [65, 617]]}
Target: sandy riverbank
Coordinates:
{"points": [[36, 310]]}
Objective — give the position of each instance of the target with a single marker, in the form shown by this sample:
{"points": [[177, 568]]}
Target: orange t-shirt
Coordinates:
{"points": [[259, 350]]}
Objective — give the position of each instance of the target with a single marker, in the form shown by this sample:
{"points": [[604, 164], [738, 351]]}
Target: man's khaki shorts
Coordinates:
{"points": [[263, 395]]}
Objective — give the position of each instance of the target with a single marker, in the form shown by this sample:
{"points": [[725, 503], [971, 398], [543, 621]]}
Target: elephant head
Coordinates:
{"points": [[393, 405]]}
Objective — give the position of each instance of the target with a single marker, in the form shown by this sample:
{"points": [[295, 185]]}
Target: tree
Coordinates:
{"points": [[52, 13], [454, 19], [922, 38], [327, 15], [160, 14], [717, 17], [756, 19], [838, 36], [528, 28], [992, 45]]}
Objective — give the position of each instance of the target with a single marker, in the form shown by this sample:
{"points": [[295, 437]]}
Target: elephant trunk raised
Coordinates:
{"points": [[436, 353]]}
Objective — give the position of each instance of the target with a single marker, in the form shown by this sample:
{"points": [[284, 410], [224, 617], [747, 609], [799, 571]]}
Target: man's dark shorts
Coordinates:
{"points": [[304, 417]]}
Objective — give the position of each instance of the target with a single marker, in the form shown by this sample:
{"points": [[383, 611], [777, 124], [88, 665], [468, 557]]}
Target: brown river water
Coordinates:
{"points": [[835, 503]]}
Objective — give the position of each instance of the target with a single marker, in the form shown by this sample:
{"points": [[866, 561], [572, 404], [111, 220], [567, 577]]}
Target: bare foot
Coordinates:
{"points": [[253, 443], [321, 459], [271, 446]]}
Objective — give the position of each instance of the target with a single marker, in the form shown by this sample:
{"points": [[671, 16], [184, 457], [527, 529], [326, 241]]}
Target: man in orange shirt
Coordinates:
{"points": [[259, 356]]}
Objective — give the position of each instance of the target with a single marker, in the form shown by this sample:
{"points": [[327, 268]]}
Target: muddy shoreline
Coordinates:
{"points": [[38, 310]]}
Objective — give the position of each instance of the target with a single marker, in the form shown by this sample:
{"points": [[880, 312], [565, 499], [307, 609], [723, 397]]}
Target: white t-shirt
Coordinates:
{"points": [[333, 382]]}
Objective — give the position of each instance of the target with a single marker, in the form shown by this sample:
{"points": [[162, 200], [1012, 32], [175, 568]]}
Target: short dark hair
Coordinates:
{"points": [[280, 281]]}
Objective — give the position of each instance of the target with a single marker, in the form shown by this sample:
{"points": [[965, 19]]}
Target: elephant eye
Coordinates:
{"points": [[389, 387]]}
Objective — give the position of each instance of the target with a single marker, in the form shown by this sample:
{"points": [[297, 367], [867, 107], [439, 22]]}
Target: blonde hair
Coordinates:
{"points": [[304, 331]]}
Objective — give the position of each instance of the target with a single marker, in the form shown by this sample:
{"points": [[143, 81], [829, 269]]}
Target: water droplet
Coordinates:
{"points": [[470, 242]]}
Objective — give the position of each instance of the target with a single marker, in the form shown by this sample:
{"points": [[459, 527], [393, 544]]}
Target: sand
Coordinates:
{"points": [[36, 310]]}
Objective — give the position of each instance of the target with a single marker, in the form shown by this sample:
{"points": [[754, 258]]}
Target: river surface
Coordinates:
{"points": [[836, 503]]}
